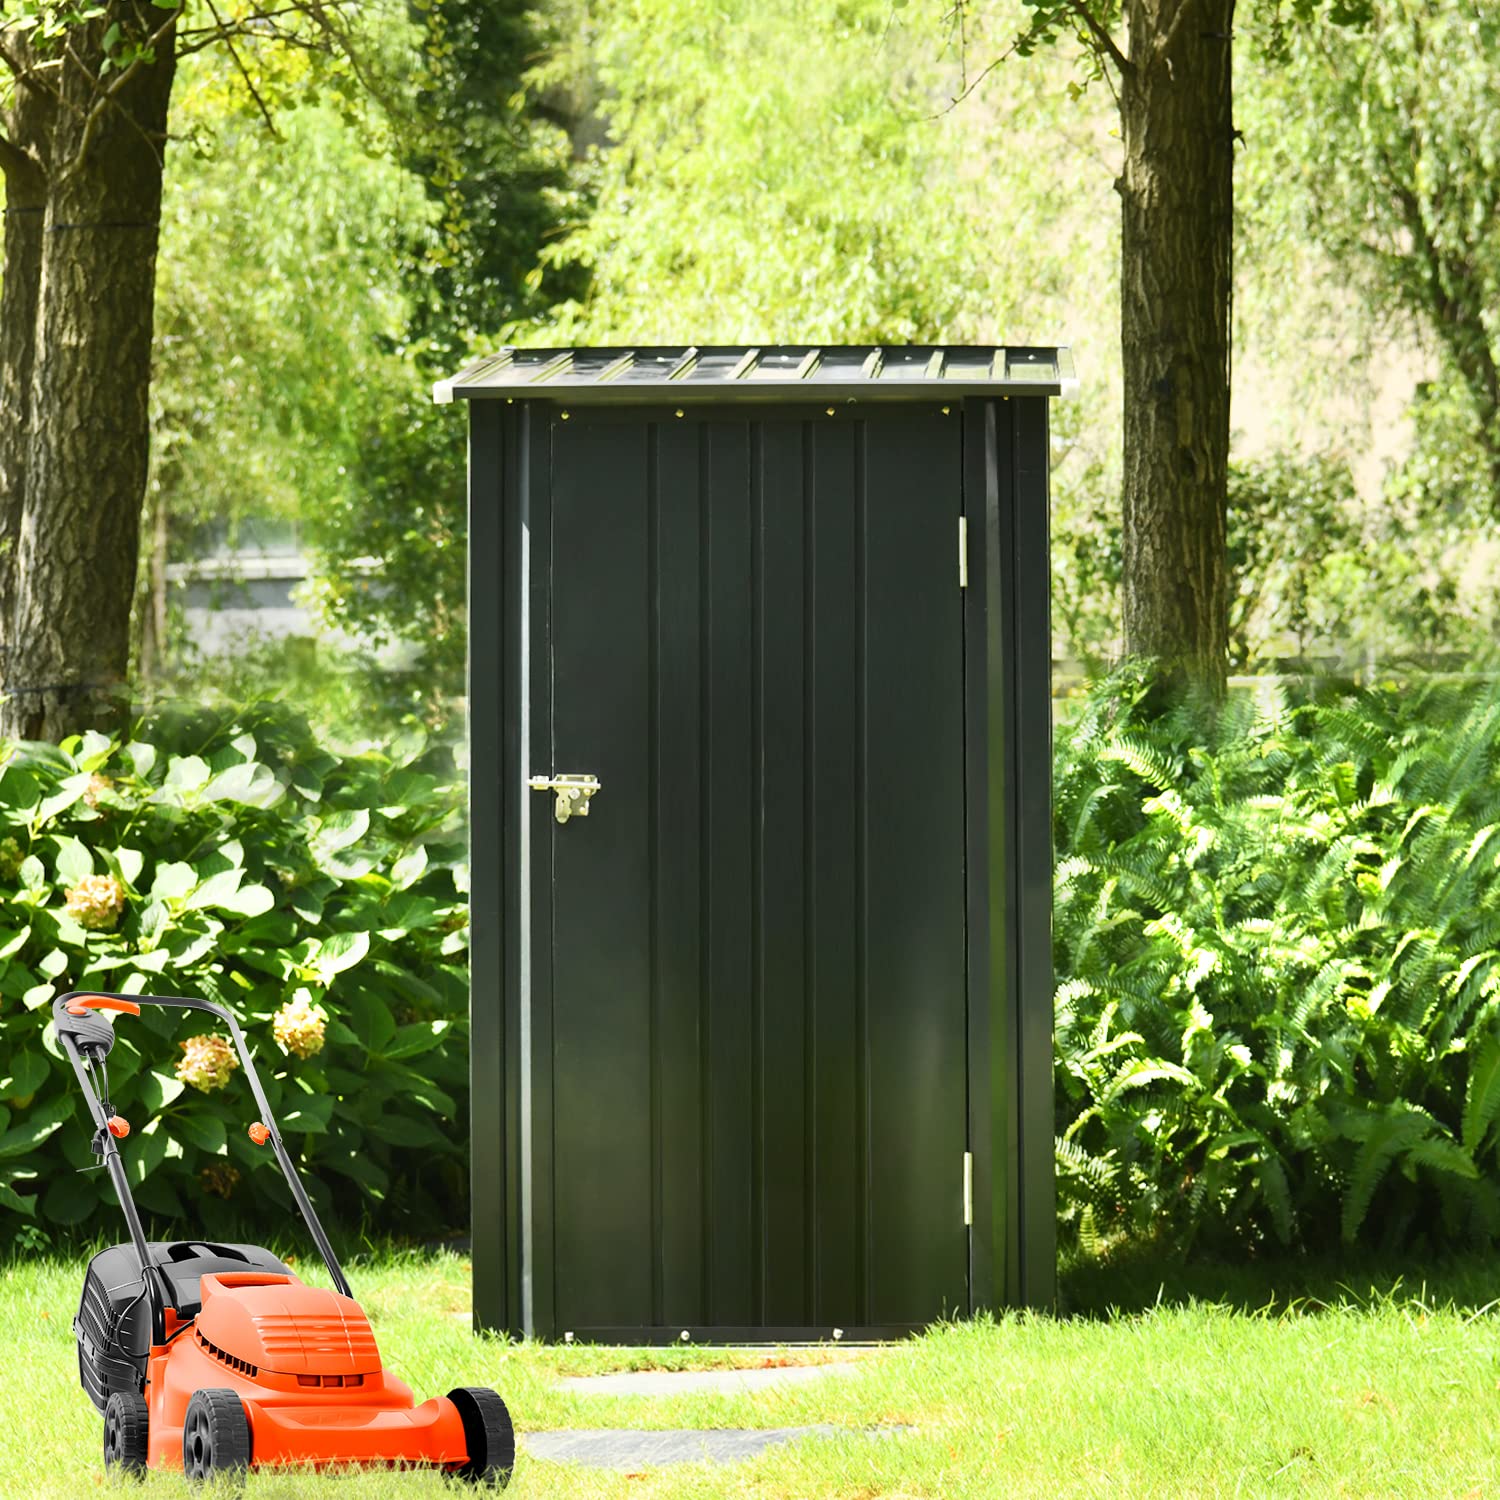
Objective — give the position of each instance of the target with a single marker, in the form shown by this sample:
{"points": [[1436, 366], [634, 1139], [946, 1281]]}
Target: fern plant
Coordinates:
{"points": [[1278, 952]]}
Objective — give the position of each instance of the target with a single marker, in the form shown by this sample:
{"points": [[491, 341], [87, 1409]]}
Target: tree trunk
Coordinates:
{"points": [[27, 127], [86, 475], [1176, 252]]}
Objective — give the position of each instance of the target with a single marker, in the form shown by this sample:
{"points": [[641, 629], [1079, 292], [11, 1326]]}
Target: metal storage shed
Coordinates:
{"points": [[761, 889]]}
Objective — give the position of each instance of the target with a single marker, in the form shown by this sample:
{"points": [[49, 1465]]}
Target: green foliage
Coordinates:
{"points": [[779, 171], [1278, 946], [233, 857], [278, 307], [1322, 580], [1294, 542], [497, 169], [1389, 160]]}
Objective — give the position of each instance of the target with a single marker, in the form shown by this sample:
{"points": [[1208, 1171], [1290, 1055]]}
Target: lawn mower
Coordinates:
{"points": [[217, 1358]]}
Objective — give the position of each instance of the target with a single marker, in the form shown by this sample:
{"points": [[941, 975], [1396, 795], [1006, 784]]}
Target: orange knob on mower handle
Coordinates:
{"points": [[119, 1126], [101, 1002], [259, 1133]]}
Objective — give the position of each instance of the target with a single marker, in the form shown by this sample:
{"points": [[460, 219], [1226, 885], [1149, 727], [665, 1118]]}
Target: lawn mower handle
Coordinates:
{"points": [[75, 1027]]}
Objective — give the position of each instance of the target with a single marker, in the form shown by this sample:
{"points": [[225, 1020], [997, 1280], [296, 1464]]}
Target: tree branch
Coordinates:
{"points": [[239, 62], [1103, 41], [1165, 39], [106, 96], [26, 73]]}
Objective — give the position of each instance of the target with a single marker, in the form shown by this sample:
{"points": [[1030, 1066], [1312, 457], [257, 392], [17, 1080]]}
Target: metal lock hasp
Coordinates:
{"points": [[573, 793]]}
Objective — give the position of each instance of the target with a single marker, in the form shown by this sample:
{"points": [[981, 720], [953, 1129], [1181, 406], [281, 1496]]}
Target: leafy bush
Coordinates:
{"points": [[322, 898], [1278, 951]]}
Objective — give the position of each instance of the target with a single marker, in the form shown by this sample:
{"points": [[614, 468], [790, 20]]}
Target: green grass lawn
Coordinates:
{"points": [[1360, 1388]]}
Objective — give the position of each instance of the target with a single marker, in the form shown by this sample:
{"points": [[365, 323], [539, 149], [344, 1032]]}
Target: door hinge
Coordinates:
{"points": [[968, 1188], [963, 552]]}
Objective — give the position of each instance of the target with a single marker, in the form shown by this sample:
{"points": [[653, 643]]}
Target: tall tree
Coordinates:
{"points": [[1172, 75], [85, 132], [84, 99], [1169, 64]]}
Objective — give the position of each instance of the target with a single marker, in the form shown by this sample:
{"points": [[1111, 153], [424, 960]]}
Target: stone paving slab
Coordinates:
{"points": [[719, 1382], [622, 1448]]}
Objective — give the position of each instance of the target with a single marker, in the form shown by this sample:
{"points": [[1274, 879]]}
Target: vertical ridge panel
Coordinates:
{"points": [[913, 738], [678, 837], [728, 758], [653, 857], [786, 1116], [601, 973], [835, 817], [861, 872], [810, 1181], [756, 500]]}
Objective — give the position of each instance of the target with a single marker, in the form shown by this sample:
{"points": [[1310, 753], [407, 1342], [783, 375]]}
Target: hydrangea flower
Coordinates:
{"points": [[96, 902], [207, 1062], [219, 1178], [299, 1025]]}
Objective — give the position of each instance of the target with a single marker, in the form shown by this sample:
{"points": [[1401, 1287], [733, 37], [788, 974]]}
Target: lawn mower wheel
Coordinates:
{"points": [[216, 1435], [125, 1430], [488, 1435]]}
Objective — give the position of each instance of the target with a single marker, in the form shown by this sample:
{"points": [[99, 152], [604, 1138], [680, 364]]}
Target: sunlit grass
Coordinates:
{"points": [[1346, 1392]]}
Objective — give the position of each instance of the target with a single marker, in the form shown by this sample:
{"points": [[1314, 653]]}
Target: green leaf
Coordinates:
{"points": [[273, 927], [74, 861], [54, 964], [127, 863], [203, 1130], [338, 830], [69, 790], [415, 1039], [28, 1071], [249, 783], [1386, 1136], [11, 1199], [251, 901], [38, 995], [186, 773], [70, 1199], [1482, 1103], [141, 756], [36, 1126], [216, 890], [174, 881], [156, 1090], [340, 951], [400, 1130], [371, 1019], [152, 922], [310, 1115], [409, 868], [370, 1175]]}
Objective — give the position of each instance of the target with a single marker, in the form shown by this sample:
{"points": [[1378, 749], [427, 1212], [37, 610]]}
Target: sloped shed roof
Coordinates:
{"points": [[846, 372]]}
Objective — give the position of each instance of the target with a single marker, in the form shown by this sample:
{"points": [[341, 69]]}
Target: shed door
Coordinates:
{"points": [[757, 1023]]}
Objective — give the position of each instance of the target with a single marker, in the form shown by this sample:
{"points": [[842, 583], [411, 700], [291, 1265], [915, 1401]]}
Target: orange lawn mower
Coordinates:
{"points": [[215, 1358]]}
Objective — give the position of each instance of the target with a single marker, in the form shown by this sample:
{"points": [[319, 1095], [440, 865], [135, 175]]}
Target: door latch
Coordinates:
{"points": [[573, 793]]}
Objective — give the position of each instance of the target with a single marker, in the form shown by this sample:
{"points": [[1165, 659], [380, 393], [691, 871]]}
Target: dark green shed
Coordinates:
{"points": [[760, 792]]}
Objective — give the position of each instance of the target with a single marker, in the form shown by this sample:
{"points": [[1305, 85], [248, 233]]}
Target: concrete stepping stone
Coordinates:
{"points": [[621, 1448], [717, 1382]]}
